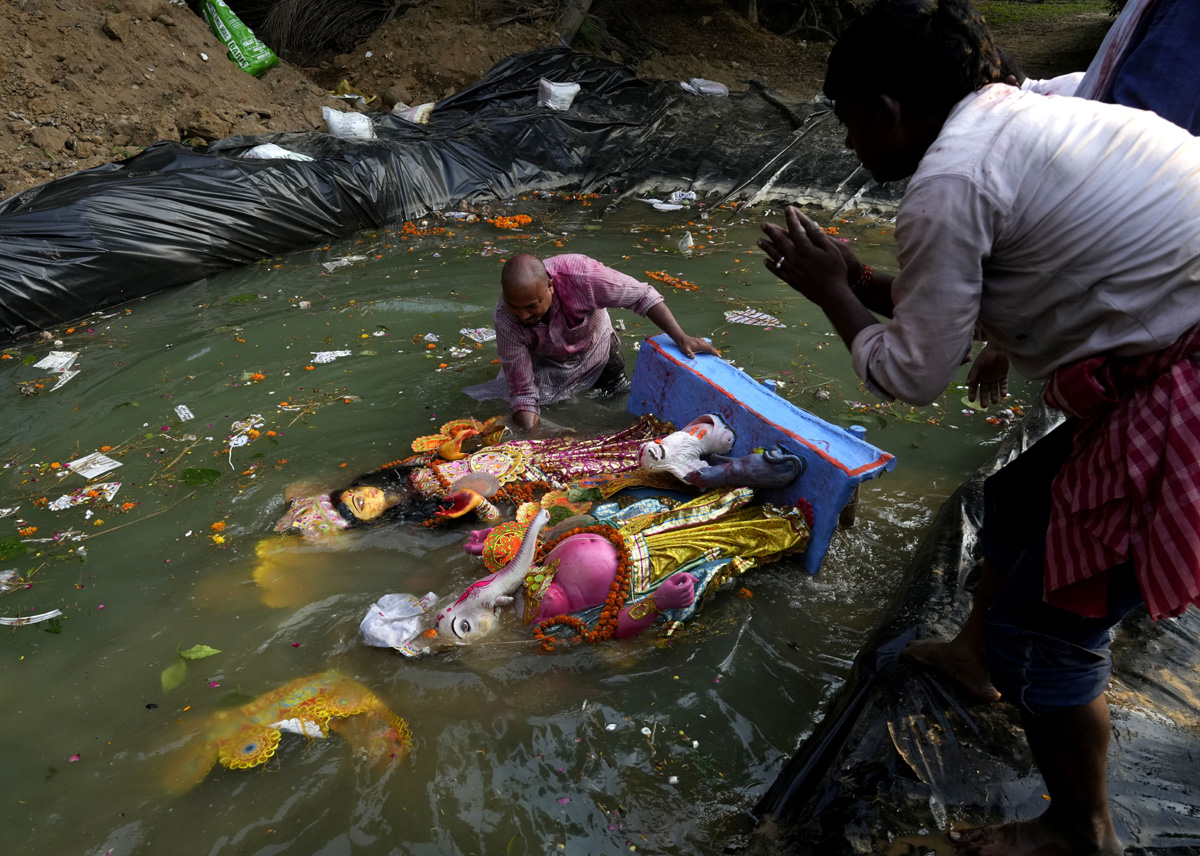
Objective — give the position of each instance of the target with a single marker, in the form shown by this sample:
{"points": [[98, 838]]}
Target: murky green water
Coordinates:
{"points": [[513, 752]]}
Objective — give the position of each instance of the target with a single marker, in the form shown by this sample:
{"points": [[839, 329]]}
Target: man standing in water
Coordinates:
{"points": [[555, 337], [1018, 217]]}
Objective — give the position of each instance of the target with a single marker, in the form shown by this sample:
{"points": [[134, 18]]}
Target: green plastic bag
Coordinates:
{"points": [[251, 55]]}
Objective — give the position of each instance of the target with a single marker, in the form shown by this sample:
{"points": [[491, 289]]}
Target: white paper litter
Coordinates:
{"points": [[95, 464], [430, 337], [8, 512], [460, 352], [66, 376], [753, 317], [479, 334], [328, 356], [687, 241], [184, 412], [105, 492], [57, 361]]}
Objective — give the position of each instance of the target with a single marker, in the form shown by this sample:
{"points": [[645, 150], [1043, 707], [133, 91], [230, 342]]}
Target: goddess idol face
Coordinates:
{"points": [[366, 503]]}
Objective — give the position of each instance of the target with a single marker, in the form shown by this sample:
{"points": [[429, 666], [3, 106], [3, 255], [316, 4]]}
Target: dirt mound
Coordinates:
{"points": [[85, 84]]}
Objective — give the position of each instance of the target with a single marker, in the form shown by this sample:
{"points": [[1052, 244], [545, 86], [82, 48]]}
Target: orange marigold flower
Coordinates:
{"points": [[272, 434], [309, 368], [431, 345], [340, 466], [106, 448], [443, 365], [253, 434], [258, 376], [126, 506], [56, 465], [5, 356], [430, 633], [28, 530], [219, 526]]}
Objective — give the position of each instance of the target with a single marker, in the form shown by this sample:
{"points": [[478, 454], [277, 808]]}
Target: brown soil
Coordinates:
{"points": [[82, 84]]}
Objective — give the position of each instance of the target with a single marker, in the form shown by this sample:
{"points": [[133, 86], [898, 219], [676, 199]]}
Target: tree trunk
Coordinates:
{"points": [[752, 12], [574, 11]]}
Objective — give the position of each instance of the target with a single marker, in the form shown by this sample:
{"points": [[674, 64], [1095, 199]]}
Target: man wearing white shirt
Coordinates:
{"points": [[1068, 231]]}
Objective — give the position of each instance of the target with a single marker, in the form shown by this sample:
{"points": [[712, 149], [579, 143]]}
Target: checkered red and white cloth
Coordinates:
{"points": [[1131, 488]]}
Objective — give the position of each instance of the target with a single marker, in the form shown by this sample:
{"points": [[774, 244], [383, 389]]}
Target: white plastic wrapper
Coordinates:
{"points": [[418, 115], [342, 262], [270, 151], [395, 620], [479, 334], [709, 88], [556, 96], [328, 356], [348, 126]]}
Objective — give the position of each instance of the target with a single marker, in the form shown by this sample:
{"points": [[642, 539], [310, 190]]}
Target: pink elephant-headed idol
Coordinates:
{"points": [[579, 573]]}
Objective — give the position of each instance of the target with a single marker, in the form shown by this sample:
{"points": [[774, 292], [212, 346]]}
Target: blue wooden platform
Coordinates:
{"points": [[672, 387]]}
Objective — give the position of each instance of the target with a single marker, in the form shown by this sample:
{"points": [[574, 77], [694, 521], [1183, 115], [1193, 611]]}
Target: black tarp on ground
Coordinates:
{"points": [[174, 214], [901, 752]]}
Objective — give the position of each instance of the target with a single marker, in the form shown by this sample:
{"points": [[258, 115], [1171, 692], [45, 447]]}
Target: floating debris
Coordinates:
{"points": [[32, 619], [478, 334], [342, 262], [328, 356], [96, 492], [753, 317], [95, 464]]}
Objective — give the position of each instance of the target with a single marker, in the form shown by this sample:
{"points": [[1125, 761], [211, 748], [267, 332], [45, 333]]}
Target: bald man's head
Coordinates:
{"points": [[527, 289]]}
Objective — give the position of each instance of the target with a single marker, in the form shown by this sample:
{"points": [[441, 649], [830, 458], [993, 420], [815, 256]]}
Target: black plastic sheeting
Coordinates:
{"points": [[174, 214], [902, 754]]}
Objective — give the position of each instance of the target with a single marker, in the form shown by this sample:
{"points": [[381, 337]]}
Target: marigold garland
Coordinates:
{"points": [[516, 221], [618, 592], [413, 230], [673, 281], [521, 492]]}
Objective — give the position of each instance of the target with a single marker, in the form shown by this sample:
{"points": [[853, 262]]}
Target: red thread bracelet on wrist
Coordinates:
{"points": [[863, 279]]}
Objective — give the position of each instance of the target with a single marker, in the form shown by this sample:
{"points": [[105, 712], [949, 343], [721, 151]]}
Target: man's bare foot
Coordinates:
{"points": [[956, 659], [1031, 838]]}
